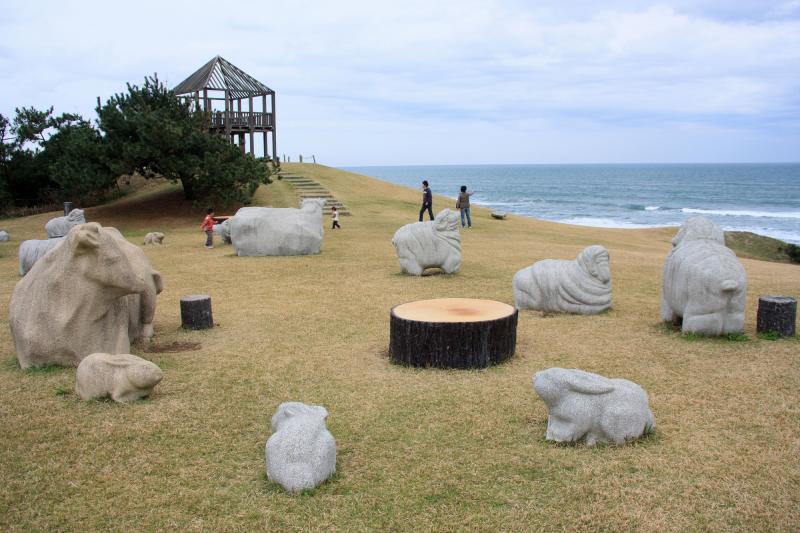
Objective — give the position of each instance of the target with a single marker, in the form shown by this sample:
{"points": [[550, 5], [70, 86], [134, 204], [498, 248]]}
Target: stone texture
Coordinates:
{"points": [[585, 405], [704, 284], [60, 226], [582, 286], [301, 453], [30, 251], [92, 293], [4, 236], [223, 231], [499, 215], [154, 238], [432, 244], [262, 231], [124, 377]]}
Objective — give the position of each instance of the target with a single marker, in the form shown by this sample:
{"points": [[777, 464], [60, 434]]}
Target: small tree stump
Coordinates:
{"points": [[196, 312], [68, 206], [778, 314], [452, 333]]}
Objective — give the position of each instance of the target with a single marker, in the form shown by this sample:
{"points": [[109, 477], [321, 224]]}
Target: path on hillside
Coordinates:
{"points": [[308, 188]]}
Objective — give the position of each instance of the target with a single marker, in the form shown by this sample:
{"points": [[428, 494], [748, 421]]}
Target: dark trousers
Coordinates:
{"points": [[422, 211], [336, 225], [209, 238]]}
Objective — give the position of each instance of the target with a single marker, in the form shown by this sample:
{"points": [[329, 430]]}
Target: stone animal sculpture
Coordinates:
{"points": [[582, 286], [704, 284], [436, 243], [585, 405], [4, 236], [93, 293], [301, 453], [124, 377], [30, 251], [60, 226], [223, 230], [262, 231], [154, 238]]}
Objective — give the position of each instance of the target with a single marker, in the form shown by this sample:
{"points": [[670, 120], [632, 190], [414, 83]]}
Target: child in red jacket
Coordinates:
{"points": [[208, 227]]}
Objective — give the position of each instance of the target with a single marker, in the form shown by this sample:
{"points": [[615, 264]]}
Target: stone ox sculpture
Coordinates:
{"points": [[60, 226], [223, 230], [31, 250], [581, 404], [124, 377], [582, 286], [93, 293], [705, 286], [301, 453], [278, 231], [422, 245], [154, 238]]}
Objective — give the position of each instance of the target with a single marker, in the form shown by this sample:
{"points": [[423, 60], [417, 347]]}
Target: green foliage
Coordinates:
{"points": [[793, 251], [151, 131], [769, 335]]}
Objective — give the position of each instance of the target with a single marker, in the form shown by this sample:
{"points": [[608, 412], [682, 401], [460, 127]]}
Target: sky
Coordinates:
{"points": [[446, 81]]}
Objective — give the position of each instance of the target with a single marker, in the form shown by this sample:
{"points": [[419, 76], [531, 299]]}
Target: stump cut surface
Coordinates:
{"points": [[453, 310]]}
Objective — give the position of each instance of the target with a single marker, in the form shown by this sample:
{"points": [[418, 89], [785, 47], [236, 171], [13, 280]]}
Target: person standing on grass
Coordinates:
{"points": [[335, 218], [462, 204], [208, 227], [427, 201]]}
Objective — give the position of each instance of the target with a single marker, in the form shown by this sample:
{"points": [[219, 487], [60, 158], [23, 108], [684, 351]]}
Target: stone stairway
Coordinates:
{"points": [[308, 188]]}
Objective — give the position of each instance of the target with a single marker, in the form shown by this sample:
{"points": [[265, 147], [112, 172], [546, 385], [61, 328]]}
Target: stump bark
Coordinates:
{"points": [[778, 314], [452, 333], [196, 312], [68, 206]]}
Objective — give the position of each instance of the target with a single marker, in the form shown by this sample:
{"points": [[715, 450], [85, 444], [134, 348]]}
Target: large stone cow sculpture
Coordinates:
{"points": [[95, 292], [705, 285], [582, 286], [264, 231], [60, 226], [422, 245]]}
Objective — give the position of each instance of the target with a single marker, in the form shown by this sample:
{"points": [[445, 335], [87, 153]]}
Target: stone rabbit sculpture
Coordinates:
{"points": [[704, 284], [154, 238], [585, 405], [93, 293], [124, 377], [301, 453], [436, 243], [582, 286], [60, 226]]}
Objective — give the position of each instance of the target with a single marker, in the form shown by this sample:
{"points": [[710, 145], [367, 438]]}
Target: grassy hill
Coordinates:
{"points": [[428, 450]]}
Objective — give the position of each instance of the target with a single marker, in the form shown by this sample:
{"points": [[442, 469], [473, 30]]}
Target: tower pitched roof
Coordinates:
{"points": [[222, 75]]}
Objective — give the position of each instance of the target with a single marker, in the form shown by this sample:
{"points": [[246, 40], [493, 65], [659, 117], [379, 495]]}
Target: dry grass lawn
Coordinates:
{"points": [[424, 450]]}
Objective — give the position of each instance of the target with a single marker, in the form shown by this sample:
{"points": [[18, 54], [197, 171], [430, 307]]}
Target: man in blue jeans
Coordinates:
{"points": [[427, 201], [462, 204]]}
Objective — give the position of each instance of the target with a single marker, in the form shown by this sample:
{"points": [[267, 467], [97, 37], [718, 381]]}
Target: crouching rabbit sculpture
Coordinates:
{"points": [[301, 453], [124, 377], [422, 245], [581, 404]]}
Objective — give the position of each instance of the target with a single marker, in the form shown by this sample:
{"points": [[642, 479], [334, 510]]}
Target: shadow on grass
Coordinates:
{"points": [[13, 364], [674, 329]]}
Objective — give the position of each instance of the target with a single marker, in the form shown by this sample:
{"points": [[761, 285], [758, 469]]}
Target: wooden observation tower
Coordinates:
{"points": [[221, 90]]}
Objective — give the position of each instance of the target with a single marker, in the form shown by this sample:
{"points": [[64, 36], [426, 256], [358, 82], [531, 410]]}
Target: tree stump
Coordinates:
{"points": [[452, 333], [196, 312], [68, 206], [778, 314]]}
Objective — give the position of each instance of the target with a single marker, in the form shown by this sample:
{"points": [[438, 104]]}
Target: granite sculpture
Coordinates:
{"points": [[4, 236], [60, 226], [123, 377], [223, 231], [31, 250], [301, 452], [432, 244], [704, 284], [154, 238], [90, 294], [263, 231], [585, 405], [581, 286]]}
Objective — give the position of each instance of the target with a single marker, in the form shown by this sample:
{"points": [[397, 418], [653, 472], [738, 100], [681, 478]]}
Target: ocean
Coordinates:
{"points": [[760, 198]]}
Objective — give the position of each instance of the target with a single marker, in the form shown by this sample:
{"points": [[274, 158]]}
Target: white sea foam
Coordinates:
{"points": [[743, 213], [652, 208], [609, 223]]}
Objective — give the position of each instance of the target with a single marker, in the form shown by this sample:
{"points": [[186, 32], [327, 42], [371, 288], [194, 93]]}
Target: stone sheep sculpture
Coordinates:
{"points": [[704, 284], [4, 236], [123, 377], [301, 452], [436, 243], [582, 286], [223, 230], [585, 405], [263, 231], [31, 250], [60, 226], [154, 238], [93, 293]]}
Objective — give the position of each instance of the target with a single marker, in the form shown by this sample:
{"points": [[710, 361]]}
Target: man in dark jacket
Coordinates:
{"points": [[427, 201]]}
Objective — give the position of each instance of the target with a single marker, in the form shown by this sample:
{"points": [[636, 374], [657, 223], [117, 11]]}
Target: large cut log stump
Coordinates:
{"points": [[196, 312], [452, 333], [778, 314]]}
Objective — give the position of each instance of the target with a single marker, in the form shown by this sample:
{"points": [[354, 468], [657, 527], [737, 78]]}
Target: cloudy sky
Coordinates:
{"points": [[446, 81]]}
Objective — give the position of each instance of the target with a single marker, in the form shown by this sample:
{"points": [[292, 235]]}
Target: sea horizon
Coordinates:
{"points": [[762, 198]]}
